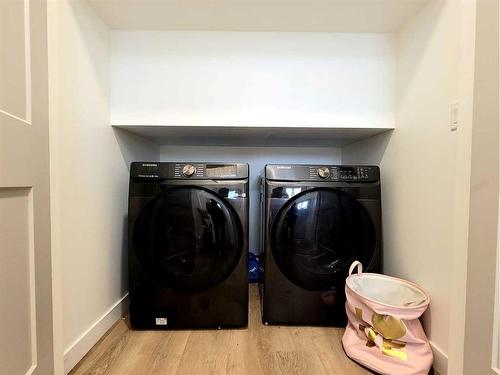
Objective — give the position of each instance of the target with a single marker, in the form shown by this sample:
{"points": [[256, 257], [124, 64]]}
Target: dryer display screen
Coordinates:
{"points": [[228, 170]]}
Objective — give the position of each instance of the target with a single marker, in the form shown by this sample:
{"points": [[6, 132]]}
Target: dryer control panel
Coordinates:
{"points": [[341, 173]]}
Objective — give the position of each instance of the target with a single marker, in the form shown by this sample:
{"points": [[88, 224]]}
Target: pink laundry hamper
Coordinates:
{"points": [[384, 333]]}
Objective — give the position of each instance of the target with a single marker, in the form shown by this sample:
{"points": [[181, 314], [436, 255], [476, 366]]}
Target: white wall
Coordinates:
{"points": [[254, 79], [89, 182], [257, 157], [458, 274], [484, 203], [419, 163]]}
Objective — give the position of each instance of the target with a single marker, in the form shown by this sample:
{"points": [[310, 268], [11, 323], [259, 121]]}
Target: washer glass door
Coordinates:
{"points": [[317, 234], [188, 239]]}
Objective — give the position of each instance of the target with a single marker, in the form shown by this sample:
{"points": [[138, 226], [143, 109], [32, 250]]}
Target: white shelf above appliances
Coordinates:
{"points": [[252, 136]]}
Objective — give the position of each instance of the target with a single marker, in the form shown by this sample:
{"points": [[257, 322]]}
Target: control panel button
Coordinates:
{"points": [[188, 170], [323, 172]]}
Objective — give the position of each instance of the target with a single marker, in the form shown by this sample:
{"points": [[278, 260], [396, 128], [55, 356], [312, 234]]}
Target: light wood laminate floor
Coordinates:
{"points": [[256, 350]]}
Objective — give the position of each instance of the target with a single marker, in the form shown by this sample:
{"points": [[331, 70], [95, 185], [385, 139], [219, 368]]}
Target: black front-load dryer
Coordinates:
{"points": [[316, 221], [188, 245]]}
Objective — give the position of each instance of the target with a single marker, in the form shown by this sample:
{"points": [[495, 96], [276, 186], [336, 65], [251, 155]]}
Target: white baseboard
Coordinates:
{"points": [[81, 346], [440, 359]]}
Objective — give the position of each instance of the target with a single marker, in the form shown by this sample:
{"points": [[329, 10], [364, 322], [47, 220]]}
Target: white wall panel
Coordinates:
{"points": [[252, 79], [17, 276], [14, 60]]}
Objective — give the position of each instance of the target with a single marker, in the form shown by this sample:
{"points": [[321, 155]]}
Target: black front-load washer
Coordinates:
{"points": [[316, 221], [188, 245]]}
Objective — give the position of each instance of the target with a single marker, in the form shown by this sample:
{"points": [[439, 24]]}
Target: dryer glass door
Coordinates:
{"points": [[317, 234], [188, 239]]}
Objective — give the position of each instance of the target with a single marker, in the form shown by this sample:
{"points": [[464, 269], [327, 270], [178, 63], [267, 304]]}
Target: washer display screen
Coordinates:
{"points": [[228, 170]]}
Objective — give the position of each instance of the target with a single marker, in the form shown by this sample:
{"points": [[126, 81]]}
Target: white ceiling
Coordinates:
{"points": [[258, 15]]}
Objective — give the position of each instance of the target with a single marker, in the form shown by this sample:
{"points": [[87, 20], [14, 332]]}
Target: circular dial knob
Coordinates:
{"points": [[188, 170], [323, 172]]}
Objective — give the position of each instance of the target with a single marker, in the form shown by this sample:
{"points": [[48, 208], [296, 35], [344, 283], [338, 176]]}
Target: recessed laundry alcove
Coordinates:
{"points": [[318, 82]]}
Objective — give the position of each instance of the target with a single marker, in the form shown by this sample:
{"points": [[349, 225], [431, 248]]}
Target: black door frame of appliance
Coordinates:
{"points": [[304, 258], [215, 245]]}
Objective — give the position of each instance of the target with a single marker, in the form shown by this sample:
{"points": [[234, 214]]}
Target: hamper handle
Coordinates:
{"points": [[355, 264]]}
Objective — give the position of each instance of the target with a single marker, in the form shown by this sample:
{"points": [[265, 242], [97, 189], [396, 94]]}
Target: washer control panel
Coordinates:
{"points": [[188, 171], [324, 172], [342, 173]]}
